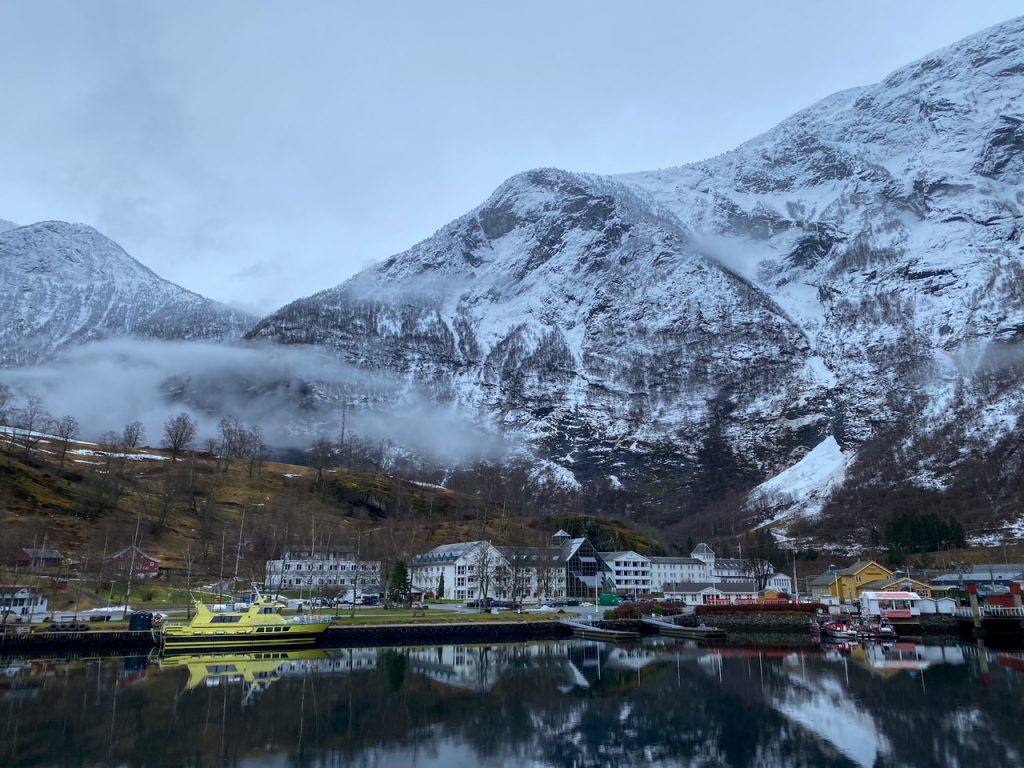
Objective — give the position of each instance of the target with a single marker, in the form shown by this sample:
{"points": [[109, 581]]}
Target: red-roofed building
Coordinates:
{"points": [[146, 567]]}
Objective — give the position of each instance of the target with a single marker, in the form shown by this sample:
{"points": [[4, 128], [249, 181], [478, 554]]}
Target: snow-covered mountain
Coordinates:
{"points": [[65, 284], [855, 272], [853, 275], [575, 312]]}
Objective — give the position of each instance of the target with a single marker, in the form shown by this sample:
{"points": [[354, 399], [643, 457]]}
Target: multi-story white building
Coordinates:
{"points": [[334, 572], [703, 567], [472, 570], [630, 572], [469, 569]]}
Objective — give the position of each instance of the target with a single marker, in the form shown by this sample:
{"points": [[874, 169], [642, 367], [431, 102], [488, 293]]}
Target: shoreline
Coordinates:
{"points": [[748, 625]]}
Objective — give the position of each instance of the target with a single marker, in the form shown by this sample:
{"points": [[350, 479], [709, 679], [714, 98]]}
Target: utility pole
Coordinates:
{"points": [[131, 567]]}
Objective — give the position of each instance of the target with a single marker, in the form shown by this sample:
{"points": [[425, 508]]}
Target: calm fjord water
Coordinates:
{"points": [[573, 703]]}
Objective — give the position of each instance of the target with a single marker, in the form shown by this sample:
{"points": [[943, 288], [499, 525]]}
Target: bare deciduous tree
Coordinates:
{"points": [[66, 429], [179, 433], [33, 419], [133, 435]]}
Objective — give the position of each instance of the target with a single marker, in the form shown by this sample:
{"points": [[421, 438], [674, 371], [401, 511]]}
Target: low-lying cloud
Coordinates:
{"points": [[293, 393]]}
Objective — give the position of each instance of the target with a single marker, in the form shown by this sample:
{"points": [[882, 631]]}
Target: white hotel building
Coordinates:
{"points": [[332, 572]]}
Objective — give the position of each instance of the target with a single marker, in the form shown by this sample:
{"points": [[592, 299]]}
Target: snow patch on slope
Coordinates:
{"points": [[803, 488]]}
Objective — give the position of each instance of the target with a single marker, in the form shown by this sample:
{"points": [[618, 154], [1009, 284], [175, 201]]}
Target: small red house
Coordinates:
{"points": [[145, 567]]}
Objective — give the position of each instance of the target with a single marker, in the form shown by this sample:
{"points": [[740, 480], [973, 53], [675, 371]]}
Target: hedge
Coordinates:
{"points": [[639, 610], [760, 608]]}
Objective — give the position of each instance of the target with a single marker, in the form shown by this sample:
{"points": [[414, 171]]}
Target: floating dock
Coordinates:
{"points": [[591, 632], [690, 633]]}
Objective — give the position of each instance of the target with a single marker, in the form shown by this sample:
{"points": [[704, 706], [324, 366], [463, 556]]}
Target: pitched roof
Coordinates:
{"points": [[676, 561], [883, 585], [48, 553], [859, 566], [447, 552], [828, 577], [127, 549], [725, 587], [606, 556]]}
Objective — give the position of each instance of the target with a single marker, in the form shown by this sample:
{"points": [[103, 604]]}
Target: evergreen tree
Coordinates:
{"points": [[398, 583]]}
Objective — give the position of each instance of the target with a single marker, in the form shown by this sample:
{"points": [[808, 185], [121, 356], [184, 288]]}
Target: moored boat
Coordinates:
{"points": [[260, 625], [825, 629]]}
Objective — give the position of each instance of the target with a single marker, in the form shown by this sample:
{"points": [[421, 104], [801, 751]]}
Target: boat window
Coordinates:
{"points": [[268, 610], [225, 619], [259, 629]]}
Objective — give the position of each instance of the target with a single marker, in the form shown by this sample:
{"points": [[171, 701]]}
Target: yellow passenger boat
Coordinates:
{"points": [[260, 625]]}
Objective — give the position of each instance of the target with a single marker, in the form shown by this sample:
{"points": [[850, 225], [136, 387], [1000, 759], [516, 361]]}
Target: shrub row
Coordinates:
{"points": [[760, 608], [637, 610]]}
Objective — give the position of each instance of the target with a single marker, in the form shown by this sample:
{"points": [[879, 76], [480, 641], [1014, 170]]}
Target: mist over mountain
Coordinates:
{"points": [[63, 284], [785, 332], [852, 275]]}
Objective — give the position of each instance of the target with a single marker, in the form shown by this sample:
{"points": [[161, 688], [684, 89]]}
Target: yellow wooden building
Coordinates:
{"points": [[850, 581]]}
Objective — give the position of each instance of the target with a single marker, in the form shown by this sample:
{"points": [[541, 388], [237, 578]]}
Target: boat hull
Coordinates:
{"points": [[194, 641]]}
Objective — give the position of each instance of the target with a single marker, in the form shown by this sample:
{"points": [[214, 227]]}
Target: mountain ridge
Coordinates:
{"points": [[64, 284], [877, 233]]}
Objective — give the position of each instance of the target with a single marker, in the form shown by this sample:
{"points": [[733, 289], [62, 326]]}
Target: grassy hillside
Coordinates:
{"points": [[203, 515]]}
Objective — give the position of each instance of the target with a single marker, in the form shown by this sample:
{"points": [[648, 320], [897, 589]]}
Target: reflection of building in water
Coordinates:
{"points": [[634, 657], [890, 659], [258, 670], [472, 667], [478, 667]]}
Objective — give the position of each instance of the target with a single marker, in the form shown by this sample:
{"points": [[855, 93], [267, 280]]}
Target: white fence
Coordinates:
{"points": [[994, 611]]}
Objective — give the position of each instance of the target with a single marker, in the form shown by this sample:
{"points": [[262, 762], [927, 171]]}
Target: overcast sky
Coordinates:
{"points": [[256, 152]]}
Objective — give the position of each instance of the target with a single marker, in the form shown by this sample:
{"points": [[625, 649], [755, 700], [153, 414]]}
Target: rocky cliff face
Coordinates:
{"points": [[65, 284], [854, 272]]}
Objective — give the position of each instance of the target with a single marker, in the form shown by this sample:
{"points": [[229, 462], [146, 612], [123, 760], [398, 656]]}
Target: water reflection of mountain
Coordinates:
{"points": [[581, 703]]}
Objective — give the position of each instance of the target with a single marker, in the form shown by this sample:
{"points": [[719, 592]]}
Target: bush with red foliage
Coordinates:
{"points": [[647, 608], [760, 608]]}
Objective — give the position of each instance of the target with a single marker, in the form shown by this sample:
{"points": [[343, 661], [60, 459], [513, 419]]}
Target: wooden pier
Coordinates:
{"points": [[92, 639], [669, 629], [592, 632]]}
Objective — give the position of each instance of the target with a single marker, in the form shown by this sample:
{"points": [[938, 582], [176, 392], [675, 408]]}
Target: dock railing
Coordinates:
{"points": [[995, 611]]}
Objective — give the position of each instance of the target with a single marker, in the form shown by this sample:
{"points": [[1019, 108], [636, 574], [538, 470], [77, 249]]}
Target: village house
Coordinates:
{"points": [[19, 603], [30, 557], [132, 558], [333, 571], [898, 582], [846, 584], [712, 594]]}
